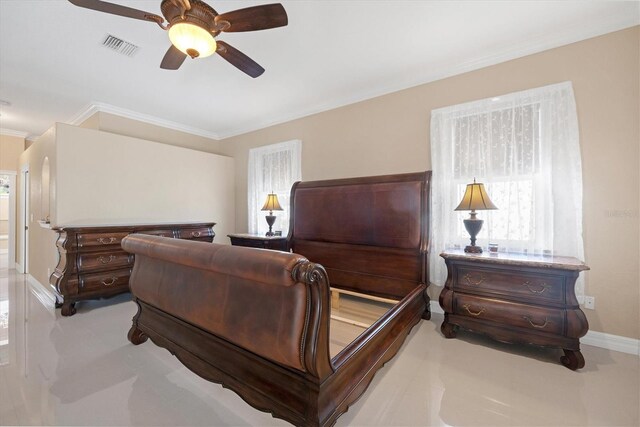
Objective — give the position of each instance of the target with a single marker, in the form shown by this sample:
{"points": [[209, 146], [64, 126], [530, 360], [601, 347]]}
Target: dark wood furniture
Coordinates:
{"points": [[257, 322], [277, 243], [371, 234], [93, 265], [516, 299]]}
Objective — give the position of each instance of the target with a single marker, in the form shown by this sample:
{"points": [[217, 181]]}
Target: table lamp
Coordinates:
{"points": [[475, 198], [271, 205]]}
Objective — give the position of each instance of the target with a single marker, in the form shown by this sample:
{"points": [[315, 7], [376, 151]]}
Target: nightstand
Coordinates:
{"points": [[277, 243], [517, 299]]}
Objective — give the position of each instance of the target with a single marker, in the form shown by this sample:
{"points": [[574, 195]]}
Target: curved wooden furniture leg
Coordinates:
{"points": [[68, 308], [136, 336], [572, 359], [448, 330]]}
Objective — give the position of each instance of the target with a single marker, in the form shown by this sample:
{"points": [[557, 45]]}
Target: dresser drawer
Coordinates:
{"points": [[195, 233], [510, 313], [511, 284], [161, 233], [92, 240], [104, 281], [103, 260]]}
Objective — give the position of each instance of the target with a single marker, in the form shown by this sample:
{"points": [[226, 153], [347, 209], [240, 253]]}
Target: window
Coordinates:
{"points": [[272, 168], [525, 148]]}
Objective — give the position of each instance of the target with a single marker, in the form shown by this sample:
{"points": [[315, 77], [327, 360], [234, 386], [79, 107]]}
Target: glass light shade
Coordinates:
{"points": [[189, 38], [475, 199], [272, 203]]}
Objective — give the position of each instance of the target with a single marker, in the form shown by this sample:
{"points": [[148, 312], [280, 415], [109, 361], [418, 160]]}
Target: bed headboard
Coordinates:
{"points": [[371, 234]]}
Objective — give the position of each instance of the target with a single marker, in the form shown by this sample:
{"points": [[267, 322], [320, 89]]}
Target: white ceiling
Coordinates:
{"points": [[332, 53]]}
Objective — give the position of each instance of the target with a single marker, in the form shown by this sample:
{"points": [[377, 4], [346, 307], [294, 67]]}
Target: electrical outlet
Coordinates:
{"points": [[590, 303]]}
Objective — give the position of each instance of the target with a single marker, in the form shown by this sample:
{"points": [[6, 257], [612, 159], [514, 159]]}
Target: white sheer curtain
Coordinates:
{"points": [[525, 148], [272, 168]]}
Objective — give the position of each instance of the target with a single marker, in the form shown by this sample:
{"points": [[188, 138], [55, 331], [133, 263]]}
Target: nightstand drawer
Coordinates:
{"points": [[511, 284], [252, 243], [103, 281], [103, 260], [510, 313], [276, 243]]}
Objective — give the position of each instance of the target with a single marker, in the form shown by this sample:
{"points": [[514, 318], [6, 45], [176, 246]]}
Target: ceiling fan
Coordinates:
{"points": [[193, 26]]}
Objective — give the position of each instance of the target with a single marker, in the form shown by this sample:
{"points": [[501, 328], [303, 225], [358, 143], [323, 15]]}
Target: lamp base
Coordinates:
{"points": [[473, 226], [270, 220], [473, 249]]}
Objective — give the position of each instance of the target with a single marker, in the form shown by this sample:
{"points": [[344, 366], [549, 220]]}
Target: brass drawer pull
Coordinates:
{"points": [[532, 289], [113, 280], [195, 234], [106, 241], [476, 313], [535, 325], [105, 260], [473, 282]]}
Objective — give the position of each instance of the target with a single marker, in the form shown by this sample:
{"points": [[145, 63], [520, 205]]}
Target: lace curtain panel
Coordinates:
{"points": [[525, 148], [272, 168]]}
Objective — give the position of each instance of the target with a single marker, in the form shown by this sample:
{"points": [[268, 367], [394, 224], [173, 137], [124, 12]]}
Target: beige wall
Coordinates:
{"points": [[123, 126], [43, 255], [103, 178], [130, 180], [390, 134], [4, 219], [10, 149]]}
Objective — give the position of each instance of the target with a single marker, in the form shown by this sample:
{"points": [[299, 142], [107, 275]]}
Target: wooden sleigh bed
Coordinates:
{"points": [[258, 321]]}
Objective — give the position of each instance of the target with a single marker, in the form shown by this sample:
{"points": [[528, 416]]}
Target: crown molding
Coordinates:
{"points": [[101, 107], [16, 133], [542, 43], [82, 115], [435, 72]]}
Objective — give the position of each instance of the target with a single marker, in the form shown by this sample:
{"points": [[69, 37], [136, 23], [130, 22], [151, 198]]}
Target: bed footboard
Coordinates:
{"points": [[294, 380]]}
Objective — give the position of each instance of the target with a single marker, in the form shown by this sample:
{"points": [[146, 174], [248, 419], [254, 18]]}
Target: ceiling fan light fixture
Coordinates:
{"points": [[192, 40]]}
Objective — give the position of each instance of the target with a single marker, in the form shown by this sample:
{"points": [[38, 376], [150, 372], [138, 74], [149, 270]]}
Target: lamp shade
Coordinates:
{"points": [[192, 40], [475, 199], [272, 203]]}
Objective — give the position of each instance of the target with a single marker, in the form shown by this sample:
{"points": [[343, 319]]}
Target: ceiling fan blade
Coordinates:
{"points": [[116, 9], [239, 60], [254, 18], [173, 59]]}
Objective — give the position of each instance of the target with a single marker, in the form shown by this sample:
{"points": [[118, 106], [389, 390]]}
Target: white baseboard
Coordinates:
{"points": [[44, 295], [435, 307], [594, 338], [612, 342]]}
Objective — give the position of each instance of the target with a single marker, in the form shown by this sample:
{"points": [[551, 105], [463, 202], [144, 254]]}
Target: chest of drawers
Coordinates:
{"points": [[93, 265], [516, 299]]}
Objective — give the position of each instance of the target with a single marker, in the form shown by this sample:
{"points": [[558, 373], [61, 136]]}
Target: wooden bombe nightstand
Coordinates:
{"points": [[517, 299]]}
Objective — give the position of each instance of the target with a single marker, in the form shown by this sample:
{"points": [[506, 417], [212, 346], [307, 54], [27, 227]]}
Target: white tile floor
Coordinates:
{"points": [[81, 370]]}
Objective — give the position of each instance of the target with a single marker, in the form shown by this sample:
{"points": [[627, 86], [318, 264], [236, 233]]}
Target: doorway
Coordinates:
{"points": [[7, 219], [23, 257]]}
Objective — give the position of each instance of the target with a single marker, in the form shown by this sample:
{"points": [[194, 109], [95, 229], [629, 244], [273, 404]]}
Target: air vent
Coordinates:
{"points": [[120, 46]]}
